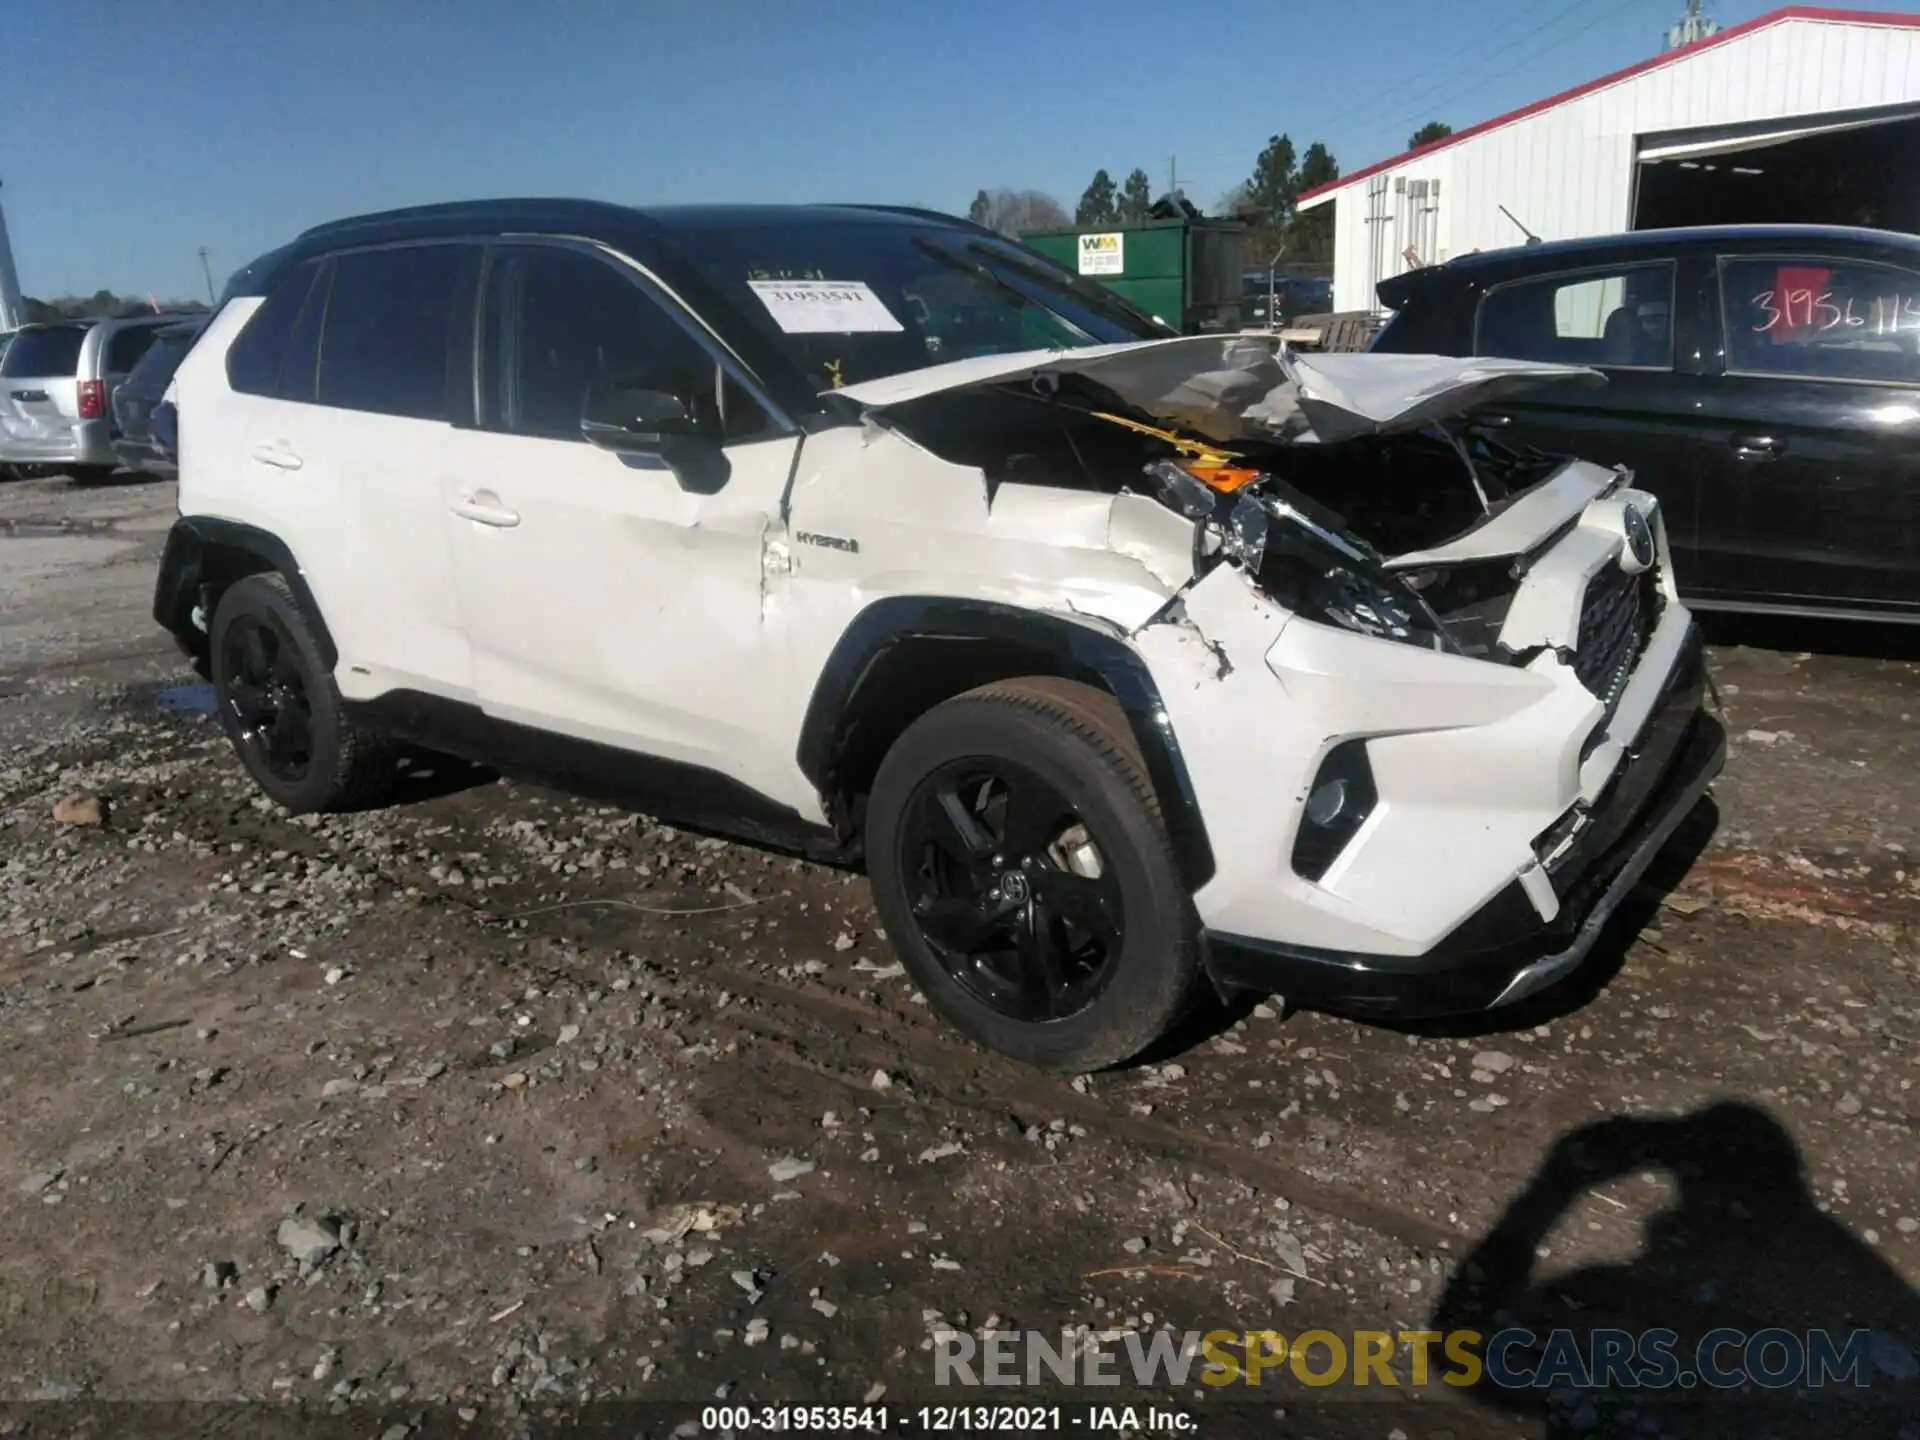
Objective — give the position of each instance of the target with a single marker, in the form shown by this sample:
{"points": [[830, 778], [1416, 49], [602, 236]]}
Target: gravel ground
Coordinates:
{"points": [[493, 1102]]}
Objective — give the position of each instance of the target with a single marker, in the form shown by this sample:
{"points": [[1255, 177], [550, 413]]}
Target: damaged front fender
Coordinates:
{"points": [[900, 651]]}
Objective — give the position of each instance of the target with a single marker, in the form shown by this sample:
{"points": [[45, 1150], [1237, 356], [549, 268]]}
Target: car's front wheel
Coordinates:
{"points": [[280, 708], [1019, 860]]}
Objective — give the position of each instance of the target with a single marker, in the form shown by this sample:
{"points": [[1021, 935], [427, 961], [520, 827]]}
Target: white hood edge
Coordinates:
{"points": [[986, 370], [1244, 387]]}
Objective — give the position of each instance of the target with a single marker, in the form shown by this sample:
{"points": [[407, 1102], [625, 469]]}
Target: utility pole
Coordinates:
{"points": [[13, 310], [207, 270], [1693, 28], [1173, 174]]}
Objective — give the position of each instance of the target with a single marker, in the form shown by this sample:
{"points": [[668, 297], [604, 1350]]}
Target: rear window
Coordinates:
{"points": [[125, 347], [44, 352], [163, 356]]}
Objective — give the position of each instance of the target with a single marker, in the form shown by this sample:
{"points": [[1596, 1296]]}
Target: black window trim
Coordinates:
{"points": [[320, 289], [1670, 263], [1723, 258], [649, 284]]}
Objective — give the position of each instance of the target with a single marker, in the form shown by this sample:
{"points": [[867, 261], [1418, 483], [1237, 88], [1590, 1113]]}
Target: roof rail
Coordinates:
{"points": [[922, 212]]}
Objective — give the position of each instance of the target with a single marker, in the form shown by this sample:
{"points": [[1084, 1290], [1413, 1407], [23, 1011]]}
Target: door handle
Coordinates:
{"points": [[1757, 447], [1493, 422], [486, 509], [276, 454]]}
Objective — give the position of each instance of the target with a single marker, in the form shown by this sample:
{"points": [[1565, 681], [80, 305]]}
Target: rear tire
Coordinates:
{"points": [[1019, 860], [280, 708]]}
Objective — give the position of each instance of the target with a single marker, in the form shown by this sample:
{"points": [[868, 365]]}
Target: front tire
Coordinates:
{"points": [[1020, 863], [280, 708]]}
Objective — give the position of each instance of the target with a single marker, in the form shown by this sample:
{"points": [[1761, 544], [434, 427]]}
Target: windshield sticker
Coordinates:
{"points": [[824, 307]]}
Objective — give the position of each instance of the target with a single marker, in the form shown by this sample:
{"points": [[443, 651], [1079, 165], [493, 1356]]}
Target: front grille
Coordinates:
{"points": [[1616, 619]]}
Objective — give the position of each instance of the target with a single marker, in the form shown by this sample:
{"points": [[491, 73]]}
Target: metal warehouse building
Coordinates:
{"points": [[1804, 115]]}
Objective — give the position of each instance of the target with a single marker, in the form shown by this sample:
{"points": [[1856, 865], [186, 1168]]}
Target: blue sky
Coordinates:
{"points": [[131, 135]]}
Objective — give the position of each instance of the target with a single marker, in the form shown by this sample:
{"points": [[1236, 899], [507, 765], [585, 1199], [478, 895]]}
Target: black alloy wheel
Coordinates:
{"points": [[1010, 891], [266, 691], [277, 701], [1023, 872]]}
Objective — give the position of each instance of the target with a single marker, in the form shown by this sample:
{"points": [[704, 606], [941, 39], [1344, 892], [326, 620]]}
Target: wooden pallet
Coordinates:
{"points": [[1343, 333]]}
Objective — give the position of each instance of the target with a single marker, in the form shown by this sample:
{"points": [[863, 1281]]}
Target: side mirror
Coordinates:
{"points": [[630, 420], [622, 417]]}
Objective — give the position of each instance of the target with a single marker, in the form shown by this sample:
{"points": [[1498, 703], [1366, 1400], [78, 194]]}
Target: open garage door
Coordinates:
{"points": [[1848, 167]]}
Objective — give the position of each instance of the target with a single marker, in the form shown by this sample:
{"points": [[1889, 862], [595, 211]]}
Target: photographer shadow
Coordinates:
{"points": [[1742, 1246]]}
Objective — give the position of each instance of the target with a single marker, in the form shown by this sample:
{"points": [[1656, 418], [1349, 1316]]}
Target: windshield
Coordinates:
{"points": [[858, 299]]}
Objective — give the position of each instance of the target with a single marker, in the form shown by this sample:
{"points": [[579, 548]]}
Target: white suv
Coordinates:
{"points": [[1122, 662]]}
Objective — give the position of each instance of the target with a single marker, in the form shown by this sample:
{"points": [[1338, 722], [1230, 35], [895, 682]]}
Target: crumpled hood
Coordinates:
{"points": [[1249, 387]]}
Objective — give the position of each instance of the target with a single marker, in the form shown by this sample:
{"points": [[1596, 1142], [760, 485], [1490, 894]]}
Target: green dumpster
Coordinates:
{"points": [[1184, 271]]}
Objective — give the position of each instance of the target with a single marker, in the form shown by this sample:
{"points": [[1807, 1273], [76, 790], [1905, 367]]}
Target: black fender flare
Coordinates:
{"points": [[973, 642], [199, 554]]}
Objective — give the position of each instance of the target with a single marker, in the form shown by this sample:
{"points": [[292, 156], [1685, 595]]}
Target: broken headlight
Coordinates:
{"points": [[1320, 575], [1299, 560]]}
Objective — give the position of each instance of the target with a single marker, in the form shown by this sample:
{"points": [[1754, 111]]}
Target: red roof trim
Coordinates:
{"points": [[1772, 17]]}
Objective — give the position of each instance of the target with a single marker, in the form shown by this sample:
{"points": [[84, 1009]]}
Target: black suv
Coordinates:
{"points": [[1763, 381], [140, 394]]}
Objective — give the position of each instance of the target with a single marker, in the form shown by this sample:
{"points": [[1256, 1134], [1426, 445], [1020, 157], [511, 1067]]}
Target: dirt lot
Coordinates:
{"points": [[492, 1102]]}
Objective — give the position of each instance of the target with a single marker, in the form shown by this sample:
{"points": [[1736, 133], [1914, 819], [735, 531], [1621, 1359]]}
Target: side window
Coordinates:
{"points": [[1621, 317], [557, 321], [386, 343], [1829, 319], [255, 358], [125, 347]]}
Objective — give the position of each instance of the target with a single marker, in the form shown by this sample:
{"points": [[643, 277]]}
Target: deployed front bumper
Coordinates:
{"points": [[1505, 951]]}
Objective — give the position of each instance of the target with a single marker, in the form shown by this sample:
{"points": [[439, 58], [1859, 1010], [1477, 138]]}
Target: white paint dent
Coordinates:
{"points": [[1141, 528], [1556, 501], [925, 526]]}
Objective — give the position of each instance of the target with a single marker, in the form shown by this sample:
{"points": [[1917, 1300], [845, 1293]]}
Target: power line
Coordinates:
{"points": [[1371, 100], [1482, 81]]}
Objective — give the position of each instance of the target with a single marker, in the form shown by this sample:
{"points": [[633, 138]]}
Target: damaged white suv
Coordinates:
{"points": [[1124, 663]]}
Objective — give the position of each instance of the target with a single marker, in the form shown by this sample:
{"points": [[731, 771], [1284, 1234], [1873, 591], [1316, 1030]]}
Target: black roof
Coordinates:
{"points": [[1693, 235], [665, 238], [1547, 255], [599, 217]]}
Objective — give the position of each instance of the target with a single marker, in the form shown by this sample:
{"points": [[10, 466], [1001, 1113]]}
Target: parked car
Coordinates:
{"points": [[56, 391], [1291, 295], [1121, 663], [142, 390], [1763, 381]]}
